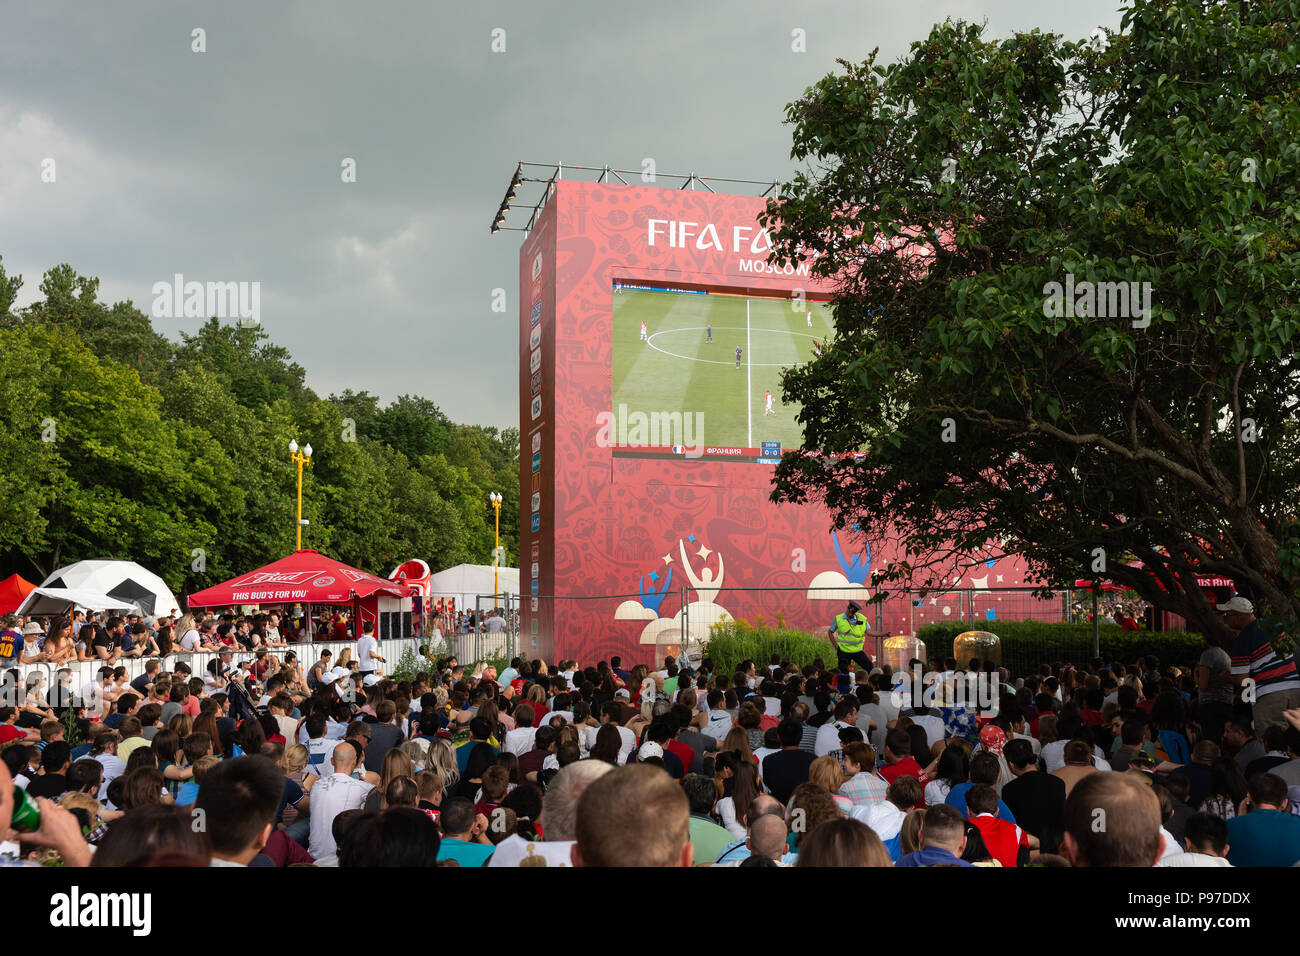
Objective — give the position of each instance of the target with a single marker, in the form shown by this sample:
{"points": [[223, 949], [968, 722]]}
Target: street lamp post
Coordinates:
{"points": [[496, 500], [299, 458]]}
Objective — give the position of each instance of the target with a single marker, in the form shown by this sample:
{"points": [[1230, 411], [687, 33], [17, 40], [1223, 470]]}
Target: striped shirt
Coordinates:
{"points": [[864, 789], [1254, 657]]}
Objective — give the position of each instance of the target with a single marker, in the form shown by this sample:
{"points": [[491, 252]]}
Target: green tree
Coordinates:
{"points": [[120, 332], [119, 483], [945, 193]]}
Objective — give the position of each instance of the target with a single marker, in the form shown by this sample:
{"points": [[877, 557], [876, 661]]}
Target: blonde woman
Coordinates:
{"points": [[826, 772], [442, 758], [187, 633], [345, 659]]}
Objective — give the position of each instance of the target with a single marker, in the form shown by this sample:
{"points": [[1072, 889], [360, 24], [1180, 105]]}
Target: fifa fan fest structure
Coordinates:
{"points": [[646, 459]]}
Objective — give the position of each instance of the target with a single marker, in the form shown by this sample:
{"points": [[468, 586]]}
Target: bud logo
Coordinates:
{"points": [[323, 582]]}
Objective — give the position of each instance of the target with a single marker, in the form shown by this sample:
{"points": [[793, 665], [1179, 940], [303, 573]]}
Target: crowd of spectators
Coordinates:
{"points": [[264, 761]]}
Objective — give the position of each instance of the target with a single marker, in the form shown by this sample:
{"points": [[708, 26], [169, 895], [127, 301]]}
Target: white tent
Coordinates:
{"points": [[465, 581], [63, 600], [124, 580]]}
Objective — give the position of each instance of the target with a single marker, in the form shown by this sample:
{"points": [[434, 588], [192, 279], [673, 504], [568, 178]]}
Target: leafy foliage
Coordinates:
{"points": [[731, 642], [945, 193], [1026, 644], [117, 443]]}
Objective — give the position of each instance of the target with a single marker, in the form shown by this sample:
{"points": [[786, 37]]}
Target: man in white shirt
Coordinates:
{"points": [[1207, 843], [828, 734], [333, 794], [720, 722], [495, 623], [520, 740], [367, 650]]}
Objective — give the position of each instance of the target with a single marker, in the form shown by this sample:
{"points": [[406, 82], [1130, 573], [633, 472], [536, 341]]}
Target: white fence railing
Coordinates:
{"points": [[83, 672]]}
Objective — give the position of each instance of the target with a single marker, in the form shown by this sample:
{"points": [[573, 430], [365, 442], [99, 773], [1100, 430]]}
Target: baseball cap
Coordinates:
{"points": [[622, 692], [1239, 604], [650, 749]]}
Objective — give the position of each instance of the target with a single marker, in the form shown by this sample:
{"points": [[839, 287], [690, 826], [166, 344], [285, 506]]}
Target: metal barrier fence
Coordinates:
{"points": [[81, 673], [645, 626]]}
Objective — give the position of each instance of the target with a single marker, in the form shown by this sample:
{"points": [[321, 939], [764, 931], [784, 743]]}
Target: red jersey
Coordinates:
{"points": [[684, 753], [907, 767], [1003, 839]]}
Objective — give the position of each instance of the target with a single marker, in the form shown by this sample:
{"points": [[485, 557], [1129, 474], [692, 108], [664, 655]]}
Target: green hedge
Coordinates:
{"points": [[734, 641], [1026, 644]]}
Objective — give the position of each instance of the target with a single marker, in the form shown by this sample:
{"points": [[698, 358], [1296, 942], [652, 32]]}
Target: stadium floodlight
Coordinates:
{"points": [[495, 228]]}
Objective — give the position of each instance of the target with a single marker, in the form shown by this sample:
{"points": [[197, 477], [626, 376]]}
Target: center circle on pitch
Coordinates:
{"points": [[752, 330]]}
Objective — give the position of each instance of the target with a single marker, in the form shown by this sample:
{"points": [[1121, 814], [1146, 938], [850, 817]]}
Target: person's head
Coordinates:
{"points": [[1267, 791], [402, 792], [1206, 833], [560, 805], [857, 758], [898, 745], [981, 798], [56, 757], [633, 816], [905, 792], [399, 836], [985, 768], [457, 818], [701, 793], [1112, 819], [239, 800], [496, 781], [344, 757], [1077, 753], [826, 772], [1237, 732], [1019, 754], [141, 833], [842, 842], [944, 828], [85, 775]]}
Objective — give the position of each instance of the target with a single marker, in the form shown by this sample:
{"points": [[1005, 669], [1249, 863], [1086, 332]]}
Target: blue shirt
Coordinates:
{"points": [[188, 793], [929, 856], [957, 799], [1264, 838], [11, 645], [466, 854]]}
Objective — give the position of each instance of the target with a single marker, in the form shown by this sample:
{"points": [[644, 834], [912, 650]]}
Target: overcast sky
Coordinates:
{"points": [[225, 165]]}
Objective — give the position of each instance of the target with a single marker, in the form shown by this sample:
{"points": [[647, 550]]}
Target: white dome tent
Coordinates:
{"points": [[124, 580]]}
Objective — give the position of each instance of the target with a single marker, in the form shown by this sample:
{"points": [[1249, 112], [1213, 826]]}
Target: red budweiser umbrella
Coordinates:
{"points": [[306, 577]]}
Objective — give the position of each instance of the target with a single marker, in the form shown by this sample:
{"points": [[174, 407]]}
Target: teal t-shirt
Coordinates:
{"points": [[466, 854]]}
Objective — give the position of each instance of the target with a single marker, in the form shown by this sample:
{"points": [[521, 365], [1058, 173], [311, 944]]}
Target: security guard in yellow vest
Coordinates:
{"points": [[849, 634]]}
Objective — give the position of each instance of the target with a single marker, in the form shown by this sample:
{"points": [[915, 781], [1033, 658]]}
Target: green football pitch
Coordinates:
{"points": [[677, 369]]}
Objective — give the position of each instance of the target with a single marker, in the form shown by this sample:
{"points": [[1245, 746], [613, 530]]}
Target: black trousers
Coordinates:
{"points": [[844, 660]]}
